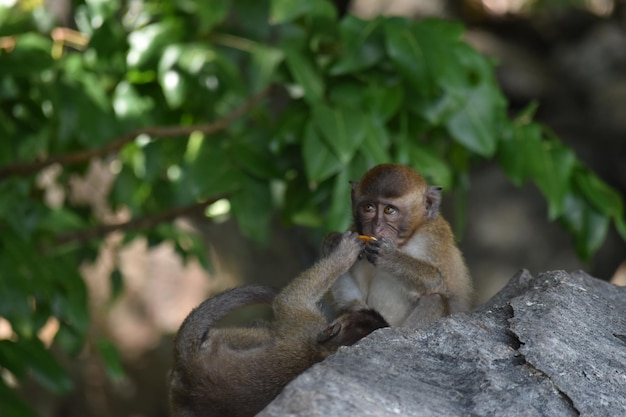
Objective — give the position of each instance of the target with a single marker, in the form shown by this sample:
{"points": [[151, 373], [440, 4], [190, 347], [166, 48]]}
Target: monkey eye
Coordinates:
{"points": [[391, 210], [368, 208]]}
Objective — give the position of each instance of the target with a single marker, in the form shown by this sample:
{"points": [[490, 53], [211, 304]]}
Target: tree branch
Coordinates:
{"points": [[84, 236], [24, 169]]}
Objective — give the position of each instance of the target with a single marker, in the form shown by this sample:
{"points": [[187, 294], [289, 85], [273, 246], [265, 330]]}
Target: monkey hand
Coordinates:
{"points": [[378, 249], [330, 243], [347, 248]]}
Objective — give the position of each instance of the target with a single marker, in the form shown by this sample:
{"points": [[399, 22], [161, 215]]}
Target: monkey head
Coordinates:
{"points": [[392, 201], [349, 328]]}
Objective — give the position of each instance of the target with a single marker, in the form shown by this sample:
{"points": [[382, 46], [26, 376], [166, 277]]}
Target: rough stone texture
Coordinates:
{"points": [[554, 345]]}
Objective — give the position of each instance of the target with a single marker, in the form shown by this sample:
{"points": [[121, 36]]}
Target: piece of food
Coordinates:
{"points": [[367, 239]]}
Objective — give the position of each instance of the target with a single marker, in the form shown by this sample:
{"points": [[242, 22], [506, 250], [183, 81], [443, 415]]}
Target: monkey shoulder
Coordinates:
{"points": [[432, 242]]}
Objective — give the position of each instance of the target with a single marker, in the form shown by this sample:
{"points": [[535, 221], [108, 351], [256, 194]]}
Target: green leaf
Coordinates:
{"points": [[424, 53], [362, 45], [547, 162], [305, 73], [453, 84], [252, 207], [400, 141], [211, 173], [604, 198], [526, 115], [111, 358], [376, 144], [428, 163], [70, 304], [515, 153], [320, 162], [474, 124], [587, 225], [476, 121], [384, 101], [265, 61], [552, 171], [198, 249], [61, 220], [30, 56], [69, 339], [407, 53], [210, 13], [33, 356], [117, 283], [301, 205], [147, 43], [128, 103], [251, 155], [284, 11], [342, 128], [339, 215], [85, 113], [173, 83]]}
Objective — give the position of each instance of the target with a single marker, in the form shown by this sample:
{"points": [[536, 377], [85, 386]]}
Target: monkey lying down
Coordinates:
{"points": [[237, 371]]}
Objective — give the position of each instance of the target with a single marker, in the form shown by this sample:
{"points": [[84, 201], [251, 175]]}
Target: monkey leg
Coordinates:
{"points": [[429, 308]]}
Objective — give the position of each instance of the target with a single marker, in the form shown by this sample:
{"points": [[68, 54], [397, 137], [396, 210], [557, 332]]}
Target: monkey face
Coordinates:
{"points": [[391, 201], [378, 219], [394, 220]]}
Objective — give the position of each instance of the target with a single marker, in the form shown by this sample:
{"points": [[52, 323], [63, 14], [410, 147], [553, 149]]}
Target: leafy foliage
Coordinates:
{"points": [[273, 105]]}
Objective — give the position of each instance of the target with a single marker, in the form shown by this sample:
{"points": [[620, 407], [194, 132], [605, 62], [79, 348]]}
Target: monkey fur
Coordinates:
{"points": [[237, 371], [412, 273]]}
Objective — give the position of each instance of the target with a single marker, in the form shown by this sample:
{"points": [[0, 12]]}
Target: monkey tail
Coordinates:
{"points": [[196, 326]]}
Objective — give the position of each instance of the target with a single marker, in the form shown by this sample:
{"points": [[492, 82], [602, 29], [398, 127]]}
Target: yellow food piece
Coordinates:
{"points": [[367, 239]]}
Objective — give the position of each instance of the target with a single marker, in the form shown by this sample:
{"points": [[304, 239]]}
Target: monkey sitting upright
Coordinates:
{"points": [[237, 371], [412, 272]]}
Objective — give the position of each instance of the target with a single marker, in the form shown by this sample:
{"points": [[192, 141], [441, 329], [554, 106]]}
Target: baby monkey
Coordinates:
{"points": [[412, 271], [237, 371]]}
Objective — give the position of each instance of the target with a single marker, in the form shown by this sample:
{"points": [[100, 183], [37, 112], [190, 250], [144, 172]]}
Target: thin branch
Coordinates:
{"points": [[152, 131], [86, 235]]}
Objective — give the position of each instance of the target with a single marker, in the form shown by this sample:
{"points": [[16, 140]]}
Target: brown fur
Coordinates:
{"points": [[413, 272], [237, 371]]}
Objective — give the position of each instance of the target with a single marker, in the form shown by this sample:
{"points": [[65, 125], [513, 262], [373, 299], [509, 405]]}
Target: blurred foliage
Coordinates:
{"points": [[345, 94]]}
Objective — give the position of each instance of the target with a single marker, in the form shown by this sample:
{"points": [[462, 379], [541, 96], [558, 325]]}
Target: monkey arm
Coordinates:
{"points": [[303, 293], [416, 273]]}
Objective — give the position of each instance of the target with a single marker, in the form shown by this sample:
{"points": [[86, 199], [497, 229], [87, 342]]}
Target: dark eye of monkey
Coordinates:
{"points": [[368, 208], [391, 210]]}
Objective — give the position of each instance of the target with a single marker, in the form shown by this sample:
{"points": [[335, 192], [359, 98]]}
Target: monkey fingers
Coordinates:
{"points": [[372, 251], [349, 246]]}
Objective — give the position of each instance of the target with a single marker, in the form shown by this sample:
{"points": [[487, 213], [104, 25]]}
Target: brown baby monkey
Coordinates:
{"points": [[237, 371], [411, 270]]}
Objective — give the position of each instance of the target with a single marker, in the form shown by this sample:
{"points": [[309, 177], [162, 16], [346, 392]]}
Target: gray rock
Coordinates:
{"points": [[554, 345]]}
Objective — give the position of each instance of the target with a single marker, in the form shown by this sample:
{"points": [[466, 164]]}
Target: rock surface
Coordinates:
{"points": [[551, 345]]}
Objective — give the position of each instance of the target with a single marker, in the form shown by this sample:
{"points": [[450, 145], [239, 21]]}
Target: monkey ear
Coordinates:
{"points": [[328, 333], [433, 199], [353, 185]]}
